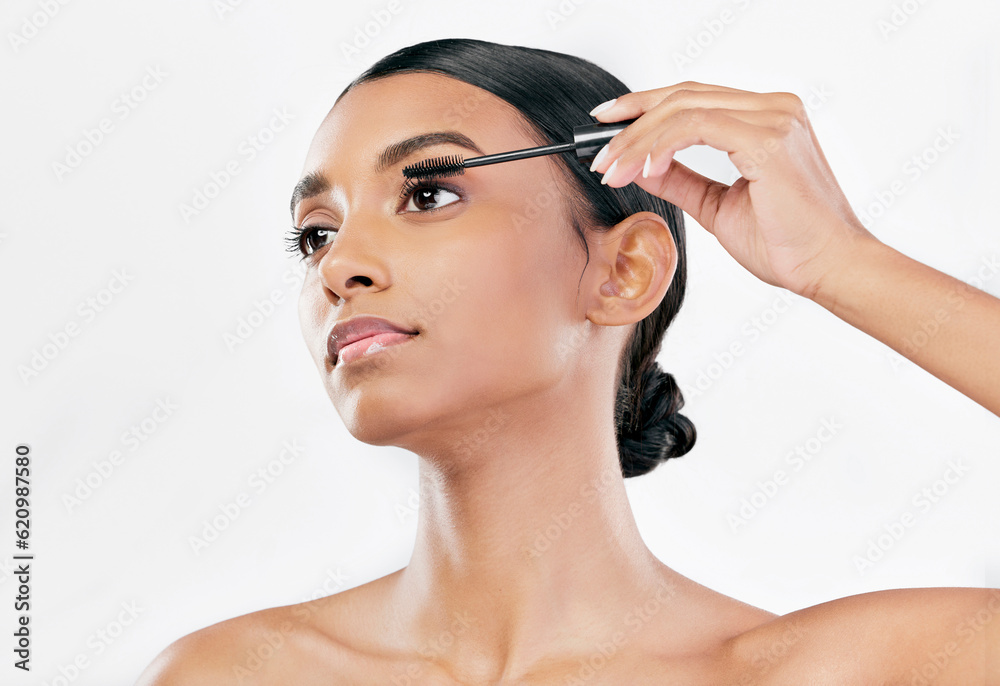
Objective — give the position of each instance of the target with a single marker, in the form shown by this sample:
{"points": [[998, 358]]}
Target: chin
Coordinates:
{"points": [[374, 417], [381, 430]]}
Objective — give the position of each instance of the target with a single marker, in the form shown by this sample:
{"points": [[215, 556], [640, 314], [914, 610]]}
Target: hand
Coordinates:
{"points": [[786, 219]]}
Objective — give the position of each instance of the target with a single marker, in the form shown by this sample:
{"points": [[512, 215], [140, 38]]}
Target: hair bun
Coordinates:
{"points": [[659, 432]]}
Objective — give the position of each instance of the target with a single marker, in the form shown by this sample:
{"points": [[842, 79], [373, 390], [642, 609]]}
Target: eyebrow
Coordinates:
{"points": [[314, 183]]}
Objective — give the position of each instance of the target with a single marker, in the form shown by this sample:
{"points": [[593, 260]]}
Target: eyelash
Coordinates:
{"points": [[296, 237]]}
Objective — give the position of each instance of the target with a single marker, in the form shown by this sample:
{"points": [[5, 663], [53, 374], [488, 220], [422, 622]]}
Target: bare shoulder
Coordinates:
{"points": [[940, 636], [250, 649]]}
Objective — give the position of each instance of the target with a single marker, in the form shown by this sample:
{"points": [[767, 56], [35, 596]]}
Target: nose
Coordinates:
{"points": [[352, 263]]}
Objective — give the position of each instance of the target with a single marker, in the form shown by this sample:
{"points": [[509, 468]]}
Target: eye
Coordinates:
{"points": [[421, 195], [308, 239]]}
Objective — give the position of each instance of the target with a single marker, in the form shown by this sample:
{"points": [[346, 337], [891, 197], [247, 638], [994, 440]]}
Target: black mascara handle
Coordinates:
{"points": [[518, 154], [590, 138]]}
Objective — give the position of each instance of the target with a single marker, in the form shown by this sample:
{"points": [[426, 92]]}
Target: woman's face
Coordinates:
{"points": [[484, 266]]}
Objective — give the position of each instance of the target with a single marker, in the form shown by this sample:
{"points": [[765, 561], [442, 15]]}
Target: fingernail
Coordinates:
{"points": [[609, 172], [603, 106], [600, 157], [645, 167]]}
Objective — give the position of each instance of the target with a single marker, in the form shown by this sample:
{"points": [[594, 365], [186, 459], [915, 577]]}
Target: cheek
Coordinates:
{"points": [[312, 317], [507, 318]]}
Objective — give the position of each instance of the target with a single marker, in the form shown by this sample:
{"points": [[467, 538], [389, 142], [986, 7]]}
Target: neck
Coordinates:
{"points": [[526, 546]]}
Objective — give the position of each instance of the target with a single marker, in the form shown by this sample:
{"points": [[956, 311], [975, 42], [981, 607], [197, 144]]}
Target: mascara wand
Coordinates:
{"points": [[588, 139]]}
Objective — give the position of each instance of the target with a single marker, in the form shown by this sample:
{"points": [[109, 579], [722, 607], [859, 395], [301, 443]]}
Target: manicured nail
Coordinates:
{"points": [[645, 167], [603, 106], [600, 157], [609, 172]]}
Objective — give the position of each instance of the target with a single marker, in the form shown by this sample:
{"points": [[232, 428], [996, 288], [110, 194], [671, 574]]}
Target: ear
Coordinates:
{"points": [[631, 268]]}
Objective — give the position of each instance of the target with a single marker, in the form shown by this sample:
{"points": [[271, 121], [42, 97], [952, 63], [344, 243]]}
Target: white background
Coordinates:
{"points": [[342, 512]]}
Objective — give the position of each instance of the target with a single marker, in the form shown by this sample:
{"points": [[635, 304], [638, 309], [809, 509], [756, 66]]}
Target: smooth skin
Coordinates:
{"points": [[528, 566]]}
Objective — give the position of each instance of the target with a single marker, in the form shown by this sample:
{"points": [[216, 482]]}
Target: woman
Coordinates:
{"points": [[529, 300]]}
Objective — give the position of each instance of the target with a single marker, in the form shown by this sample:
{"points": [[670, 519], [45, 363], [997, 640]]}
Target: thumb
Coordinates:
{"points": [[697, 195]]}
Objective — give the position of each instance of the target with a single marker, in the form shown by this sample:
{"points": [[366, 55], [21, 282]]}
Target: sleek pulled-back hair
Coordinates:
{"points": [[554, 92]]}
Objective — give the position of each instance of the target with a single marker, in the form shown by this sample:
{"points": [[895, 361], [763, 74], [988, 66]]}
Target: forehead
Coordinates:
{"points": [[391, 108]]}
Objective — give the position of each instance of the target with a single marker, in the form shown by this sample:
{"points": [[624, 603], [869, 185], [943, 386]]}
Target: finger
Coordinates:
{"points": [[717, 128], [631, 105], [657, 145], [784, 105]]}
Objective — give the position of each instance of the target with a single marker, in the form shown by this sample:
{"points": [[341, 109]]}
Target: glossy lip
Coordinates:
{"points": [[355, 328]]}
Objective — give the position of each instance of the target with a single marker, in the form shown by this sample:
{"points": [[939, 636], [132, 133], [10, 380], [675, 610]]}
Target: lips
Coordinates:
{"points": [[368, 329]]}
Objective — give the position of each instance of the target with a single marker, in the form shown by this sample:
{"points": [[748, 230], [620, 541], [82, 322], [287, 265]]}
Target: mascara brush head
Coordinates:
{"points": [[436, 167]]}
